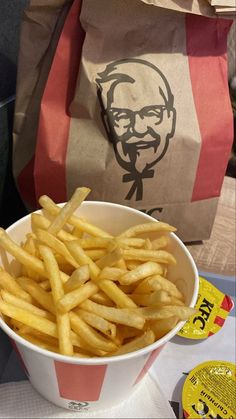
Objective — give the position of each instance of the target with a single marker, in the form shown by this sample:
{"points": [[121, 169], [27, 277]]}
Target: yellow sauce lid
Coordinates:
{"points": [[209, 391], [213, 308]]}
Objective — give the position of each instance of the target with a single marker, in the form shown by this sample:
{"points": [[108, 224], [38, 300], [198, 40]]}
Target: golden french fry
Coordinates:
{"points": [[97, 322], [50, 240], [63, 321], [39, 221], [65, 213], [132, 264], [95, 254], [9, 283], [18, 302], [127, 332], [110, 258], [163, 326], [147, 338], [95, 242], [72, 299], [24, 257], [140, 272], [147, 228], [45, 285], [159, 256], [111, 273], [53, 209], [79, 254], [78, 278], [156, 298], [38, 293], [160, 242], [30, 247], [116, 315], [101, 298], [148, 244], [38, 342], [121, 264], [130, 242], [89, 335], [156, 283], [115, 294], [152, 313], [28, 318]]}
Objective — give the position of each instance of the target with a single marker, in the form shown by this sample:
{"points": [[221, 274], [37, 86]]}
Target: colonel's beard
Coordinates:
{"points": [[140, 154]]}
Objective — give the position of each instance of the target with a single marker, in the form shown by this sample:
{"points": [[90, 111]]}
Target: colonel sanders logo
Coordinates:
{"points": [[139, 117]]}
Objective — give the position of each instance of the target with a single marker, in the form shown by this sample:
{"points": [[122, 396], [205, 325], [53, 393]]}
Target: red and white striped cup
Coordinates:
{"points": [[98, 383]]}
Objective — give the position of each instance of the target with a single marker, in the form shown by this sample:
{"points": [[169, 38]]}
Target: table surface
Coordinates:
{"points": [[217, 255]]}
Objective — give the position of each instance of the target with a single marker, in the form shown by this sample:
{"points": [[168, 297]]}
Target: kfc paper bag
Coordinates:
{"points": [[149, 124], [40, 30]]}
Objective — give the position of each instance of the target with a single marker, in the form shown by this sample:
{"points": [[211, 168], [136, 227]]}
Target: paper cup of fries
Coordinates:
{"points": [[90, 292]]}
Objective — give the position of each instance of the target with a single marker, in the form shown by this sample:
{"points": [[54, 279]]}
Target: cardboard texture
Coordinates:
{"points": [[135, 106]]}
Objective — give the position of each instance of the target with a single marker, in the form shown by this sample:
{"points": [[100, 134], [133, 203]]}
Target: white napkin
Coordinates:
{"points": [[20, 400]]}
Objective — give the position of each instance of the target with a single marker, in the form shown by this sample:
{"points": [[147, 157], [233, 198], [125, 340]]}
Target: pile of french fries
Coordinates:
{"points": [[82, 292]]}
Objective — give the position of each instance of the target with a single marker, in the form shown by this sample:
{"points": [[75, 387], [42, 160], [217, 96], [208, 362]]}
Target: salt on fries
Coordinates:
{"points": [[82, 292]]}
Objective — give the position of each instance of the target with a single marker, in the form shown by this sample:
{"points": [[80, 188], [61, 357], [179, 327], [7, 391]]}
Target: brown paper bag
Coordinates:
{"points": [[149, 124]]}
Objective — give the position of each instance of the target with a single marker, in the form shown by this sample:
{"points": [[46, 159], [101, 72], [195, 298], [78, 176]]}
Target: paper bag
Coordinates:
{"points": [[148, 123]]}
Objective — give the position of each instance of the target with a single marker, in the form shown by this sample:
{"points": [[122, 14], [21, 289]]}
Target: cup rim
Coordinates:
{"points": [[111, 359]]}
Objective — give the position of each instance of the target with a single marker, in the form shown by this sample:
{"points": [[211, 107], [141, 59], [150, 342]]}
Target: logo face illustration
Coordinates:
{"points": [[78, 406], [137, 108]]}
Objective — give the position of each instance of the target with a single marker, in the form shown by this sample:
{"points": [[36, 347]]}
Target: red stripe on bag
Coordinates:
{"points": [[54, 122], [206, 49], [148, 364], [25, 182], [80, 382]]}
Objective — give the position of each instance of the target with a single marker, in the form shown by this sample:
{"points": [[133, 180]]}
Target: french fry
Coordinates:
{"points": [[18, 302], [42, 297], [63, 321], [115, 294], [152, 313], [24, 257], [116, 315], [95, 242], [79, 254], [163, 326], [78, 278], [160, 242], [159, 256], [53, 209], [110, 258], [45, 285], [28, 318], [97, 322], [101, 298], [39, 221], [148, 244], [147, 228], [72, 299], [89, 335], [47, 238], [111, 273], [147, 338], [140, 272], [65, 213], [156, 283], [156, 298], [95, 254], [38, 342], [9, 283]]}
